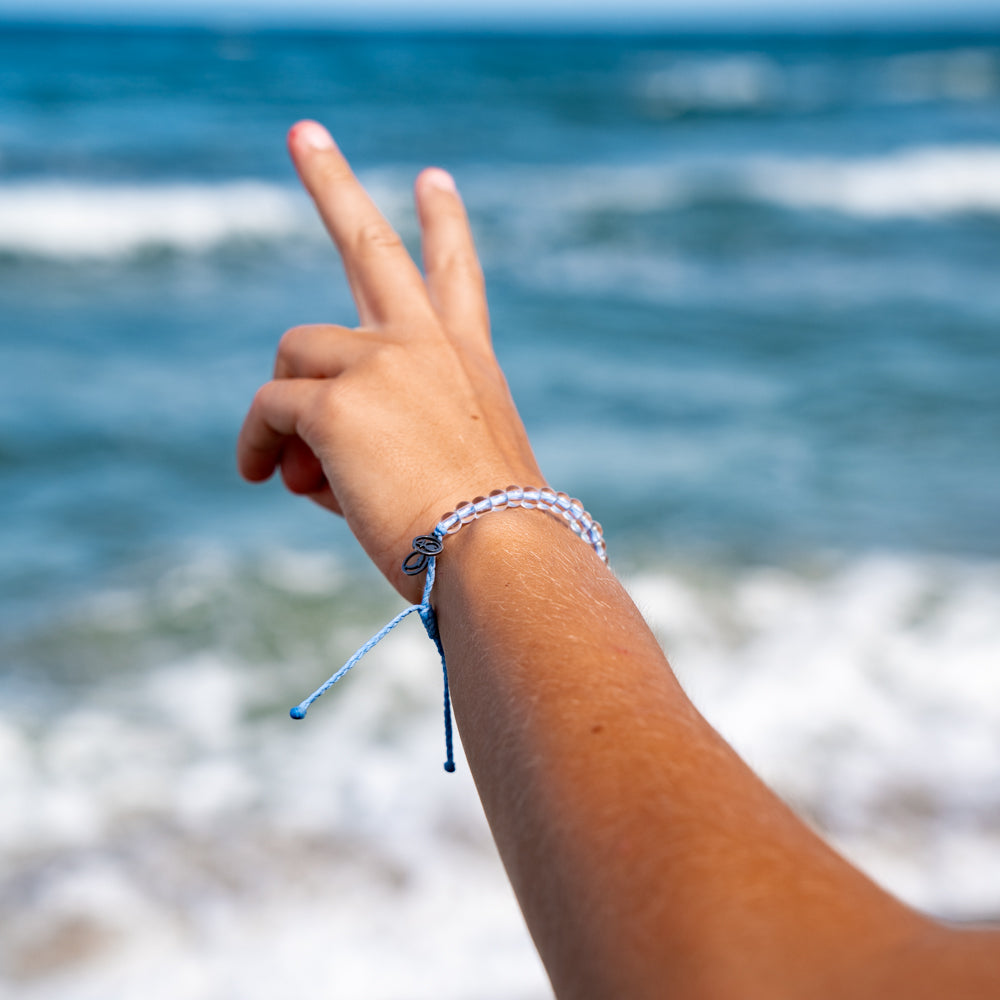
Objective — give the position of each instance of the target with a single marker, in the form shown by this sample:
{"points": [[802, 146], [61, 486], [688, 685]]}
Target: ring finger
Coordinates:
{"points": [[318, 351]]}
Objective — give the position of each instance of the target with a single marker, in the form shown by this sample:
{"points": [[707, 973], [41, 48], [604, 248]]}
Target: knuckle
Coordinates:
{"points": [[261, 399], [375, 238], [460, 265], [290, 340], [388, 366], [329, 170], [330, 404], [384, 358], [327, 412], [290, 348], [453, 212]]}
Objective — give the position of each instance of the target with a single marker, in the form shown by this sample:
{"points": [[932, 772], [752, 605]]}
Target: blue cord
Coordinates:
{"points": [[429, 620]]}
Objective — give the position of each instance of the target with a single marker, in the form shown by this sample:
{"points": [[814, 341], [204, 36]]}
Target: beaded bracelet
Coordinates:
{"points": [[426, 548], [528, 497]]}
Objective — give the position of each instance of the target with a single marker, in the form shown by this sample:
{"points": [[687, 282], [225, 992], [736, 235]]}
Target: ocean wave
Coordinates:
{"points": [[594, 205], [630, 229], [778, 278], [866, 692], [724, 84], [64, 220], [929, 181], [756, 83], [961, 75], [68, 221]]}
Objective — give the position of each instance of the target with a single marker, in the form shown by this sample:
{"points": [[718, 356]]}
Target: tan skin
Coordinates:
{"points": [[648, 860]]}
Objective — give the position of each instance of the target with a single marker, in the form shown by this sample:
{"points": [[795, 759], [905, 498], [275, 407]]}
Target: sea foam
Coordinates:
{"points": [[71, 221], [907, 182], [928, 181], [178, 804], [735, 84]]}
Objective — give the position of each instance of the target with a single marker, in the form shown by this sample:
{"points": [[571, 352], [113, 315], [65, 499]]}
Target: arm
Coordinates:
{"points": [[647, 858], [643, 851]]}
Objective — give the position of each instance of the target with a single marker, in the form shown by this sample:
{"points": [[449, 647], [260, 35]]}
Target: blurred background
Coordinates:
{"points": [[743, 267]]}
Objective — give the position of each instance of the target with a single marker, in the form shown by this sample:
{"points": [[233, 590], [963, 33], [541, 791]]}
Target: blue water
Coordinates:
{"points": [[744, 287], [711, 366]]}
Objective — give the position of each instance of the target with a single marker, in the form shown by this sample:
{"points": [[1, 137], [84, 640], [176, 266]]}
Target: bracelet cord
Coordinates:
{"points": [[426, 549]]}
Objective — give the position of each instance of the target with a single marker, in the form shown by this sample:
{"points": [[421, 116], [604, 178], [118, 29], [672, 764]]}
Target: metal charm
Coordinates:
{"points": [[424, 546]]}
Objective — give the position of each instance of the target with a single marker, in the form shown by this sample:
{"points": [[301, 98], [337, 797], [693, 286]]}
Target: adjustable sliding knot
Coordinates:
{"points": [[424, 546], [426, 549]]}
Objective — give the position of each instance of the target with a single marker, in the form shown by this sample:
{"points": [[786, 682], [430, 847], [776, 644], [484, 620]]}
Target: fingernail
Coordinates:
{"points": [[313, 135], [435, 177]]}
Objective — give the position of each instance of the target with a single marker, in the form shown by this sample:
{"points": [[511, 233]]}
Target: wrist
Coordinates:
{"points": [[563, 509], [513, 553]]}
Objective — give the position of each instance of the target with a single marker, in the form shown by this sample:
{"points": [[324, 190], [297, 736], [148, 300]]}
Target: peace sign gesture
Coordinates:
{"points": [[392, 422]]}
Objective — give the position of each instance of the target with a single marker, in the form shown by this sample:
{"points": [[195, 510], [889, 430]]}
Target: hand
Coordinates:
{"points": [[392, 423]]}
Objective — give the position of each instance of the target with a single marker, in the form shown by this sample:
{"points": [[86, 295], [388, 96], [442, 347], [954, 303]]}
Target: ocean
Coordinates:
{"points": [[745, 290]]}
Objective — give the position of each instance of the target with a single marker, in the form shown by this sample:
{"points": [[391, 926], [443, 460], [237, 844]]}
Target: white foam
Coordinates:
{"points": [[971, 74], [929, 181], [731, 83], [870, 698], [740, 82], [195, 848], [74, 221], [546, 204], [908, 182]]}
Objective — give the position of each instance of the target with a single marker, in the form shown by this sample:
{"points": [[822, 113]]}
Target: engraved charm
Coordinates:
{"points": [[424, 546]]}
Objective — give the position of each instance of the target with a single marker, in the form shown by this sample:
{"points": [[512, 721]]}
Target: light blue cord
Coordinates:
{"points": [[429, 620]]}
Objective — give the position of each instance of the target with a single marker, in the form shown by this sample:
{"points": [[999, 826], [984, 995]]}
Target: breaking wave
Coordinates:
{"points": [[74, 221], [169, 821]]}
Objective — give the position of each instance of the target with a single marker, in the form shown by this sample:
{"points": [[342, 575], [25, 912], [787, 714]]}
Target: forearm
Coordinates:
{"points": [[639, 845], [648, 859]]}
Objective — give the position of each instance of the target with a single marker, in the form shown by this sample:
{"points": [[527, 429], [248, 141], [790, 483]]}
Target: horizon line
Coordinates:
{"points": [[721, 21]]}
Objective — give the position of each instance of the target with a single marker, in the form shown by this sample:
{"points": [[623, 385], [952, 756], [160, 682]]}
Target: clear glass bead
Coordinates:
{"points": [[514, 494], [563, 501], [482, 505], [546, 497], [498, 499], [466, 512], [450, 523], [530, 498], [576, 509], [576, 528]]}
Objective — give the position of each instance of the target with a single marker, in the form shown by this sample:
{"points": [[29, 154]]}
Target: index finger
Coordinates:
{"points": [[384, 280]]}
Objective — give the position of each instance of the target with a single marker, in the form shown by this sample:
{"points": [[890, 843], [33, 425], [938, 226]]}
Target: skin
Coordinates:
{"points": [[648, 859]]}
